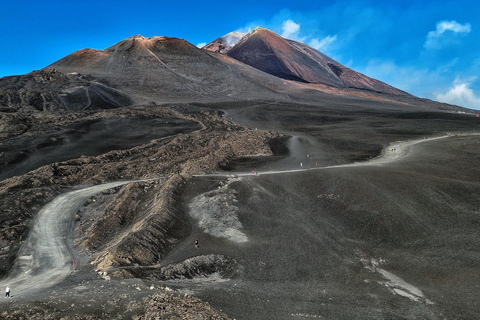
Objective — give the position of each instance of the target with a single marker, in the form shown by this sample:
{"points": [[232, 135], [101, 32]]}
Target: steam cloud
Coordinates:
{"points": [[232, 38]]}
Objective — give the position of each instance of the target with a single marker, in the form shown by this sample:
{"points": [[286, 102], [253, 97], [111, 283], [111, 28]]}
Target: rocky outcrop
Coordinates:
{"points": [[131, 302], [138, 226], [199, 267], [173, 307]]}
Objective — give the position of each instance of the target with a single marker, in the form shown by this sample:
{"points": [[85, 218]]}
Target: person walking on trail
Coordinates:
{"points": [[7, 292]]}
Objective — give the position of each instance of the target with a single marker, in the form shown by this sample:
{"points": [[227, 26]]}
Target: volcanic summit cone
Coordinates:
{"points": [[166, 68], [293, 60], [225, 43]]}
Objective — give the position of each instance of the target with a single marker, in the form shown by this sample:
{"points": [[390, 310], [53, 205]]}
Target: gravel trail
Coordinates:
{"points": [[46, 258]]}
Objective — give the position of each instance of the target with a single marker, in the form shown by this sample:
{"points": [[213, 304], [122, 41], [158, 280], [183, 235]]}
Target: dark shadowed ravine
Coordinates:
{"points": [[88, 138]]}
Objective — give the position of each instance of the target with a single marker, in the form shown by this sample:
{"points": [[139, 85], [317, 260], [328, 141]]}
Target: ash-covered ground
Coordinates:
{"points": [[382, 241], [302, 221]]}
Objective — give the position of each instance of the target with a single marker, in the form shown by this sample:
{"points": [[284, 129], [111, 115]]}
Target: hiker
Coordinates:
{"points": [[196, 243], [7, 292]]}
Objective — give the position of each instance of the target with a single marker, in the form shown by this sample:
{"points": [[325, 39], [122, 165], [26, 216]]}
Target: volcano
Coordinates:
{"points": [[261, 176], [163, 69], [225, 43], [293, 60], [167, 69]]}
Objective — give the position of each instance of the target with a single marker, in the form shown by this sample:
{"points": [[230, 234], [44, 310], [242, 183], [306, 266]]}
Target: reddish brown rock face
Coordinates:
{"points": [[292, 60]]}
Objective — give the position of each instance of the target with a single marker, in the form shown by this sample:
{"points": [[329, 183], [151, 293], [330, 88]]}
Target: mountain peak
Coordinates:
{"points": [[139, 41], [261, 29], [292, 60], [228, 41], [262, 32], [225, 43]]}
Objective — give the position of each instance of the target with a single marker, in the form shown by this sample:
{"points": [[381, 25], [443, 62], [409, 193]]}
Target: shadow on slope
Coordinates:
{"points": [[22, 154]]}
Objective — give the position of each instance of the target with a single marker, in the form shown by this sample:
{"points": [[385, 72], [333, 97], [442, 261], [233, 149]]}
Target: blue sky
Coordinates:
{"points": [[428, 48]]}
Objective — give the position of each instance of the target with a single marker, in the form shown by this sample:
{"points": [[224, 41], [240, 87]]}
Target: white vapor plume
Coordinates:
{"points": [[232, 38]]}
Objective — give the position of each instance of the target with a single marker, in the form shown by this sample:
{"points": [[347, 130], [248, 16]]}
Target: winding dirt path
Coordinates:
{"points": [[394, 152], [45, 258]]}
